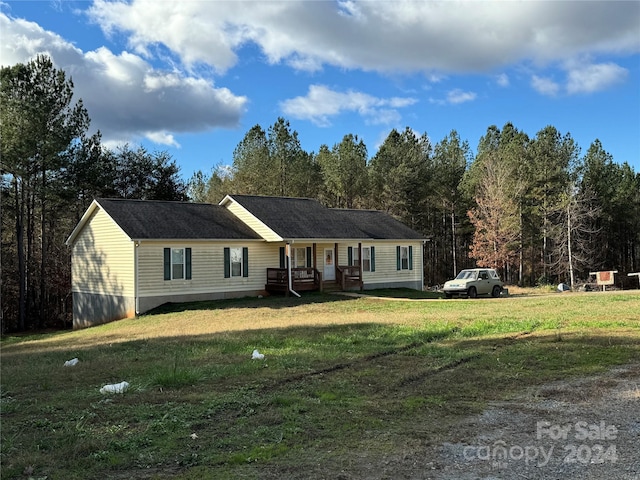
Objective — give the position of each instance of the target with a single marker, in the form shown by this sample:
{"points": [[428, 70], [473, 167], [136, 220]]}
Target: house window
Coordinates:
{"points": [[236, 262], [404, 257], [366, 259], [353, 256], [177, 264], [299, 257]]}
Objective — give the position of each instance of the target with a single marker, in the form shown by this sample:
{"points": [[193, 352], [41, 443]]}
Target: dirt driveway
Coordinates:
{"points": [[586, 429]]}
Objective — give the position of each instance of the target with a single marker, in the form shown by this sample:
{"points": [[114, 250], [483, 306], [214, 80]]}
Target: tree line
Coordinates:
{"points": [[51, 171], [532, 207]]}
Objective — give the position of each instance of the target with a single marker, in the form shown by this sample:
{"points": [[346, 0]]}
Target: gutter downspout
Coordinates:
{"points": [[136, 246], [289, 270], [424, 245]]}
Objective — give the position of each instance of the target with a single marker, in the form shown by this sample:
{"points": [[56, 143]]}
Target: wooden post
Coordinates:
{"points": [[315, 261], [360, 265]]}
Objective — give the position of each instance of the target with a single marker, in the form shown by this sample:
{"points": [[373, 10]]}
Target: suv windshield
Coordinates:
{"points": [[467, 275]]}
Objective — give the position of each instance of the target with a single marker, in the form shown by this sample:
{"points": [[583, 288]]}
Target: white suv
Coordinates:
{"points": [[473, 282]]}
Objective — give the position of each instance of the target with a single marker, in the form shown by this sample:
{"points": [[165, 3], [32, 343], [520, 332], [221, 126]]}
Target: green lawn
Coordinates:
{"points": [[340, 375]]}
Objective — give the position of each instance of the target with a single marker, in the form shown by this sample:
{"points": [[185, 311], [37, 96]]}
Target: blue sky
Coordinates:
{"points": [[191, 78]]}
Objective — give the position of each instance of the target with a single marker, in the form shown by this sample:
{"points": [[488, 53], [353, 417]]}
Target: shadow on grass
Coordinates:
{"points": [[200, 401], [272, 301], [281, 301]]}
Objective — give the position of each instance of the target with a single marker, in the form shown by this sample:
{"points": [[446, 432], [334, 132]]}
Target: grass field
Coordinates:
{"points": [[344, 381]]}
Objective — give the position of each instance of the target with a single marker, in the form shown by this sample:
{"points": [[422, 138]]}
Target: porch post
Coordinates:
{"points": [[315, 265], [315, 261], [360, 265], [287, 256]]}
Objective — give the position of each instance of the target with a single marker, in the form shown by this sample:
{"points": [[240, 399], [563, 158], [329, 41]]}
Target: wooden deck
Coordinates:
{"points": [[310, 279], [302, 279], [349, 277]]}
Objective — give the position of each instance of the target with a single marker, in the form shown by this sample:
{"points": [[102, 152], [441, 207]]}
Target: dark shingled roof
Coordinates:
{"points": [[307, 218], [379, 225], [150, 219]]}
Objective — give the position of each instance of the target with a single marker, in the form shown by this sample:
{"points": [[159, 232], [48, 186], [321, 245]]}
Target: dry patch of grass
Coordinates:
{"points": [[341, 375]]}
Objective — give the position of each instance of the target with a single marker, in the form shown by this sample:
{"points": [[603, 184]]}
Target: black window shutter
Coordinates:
{"points": [[309, 259], [245, 261], [398, 259], [187, 264], [282, 258], [349, 256], [410, 257], [227, 263], [373, 259], [167, 264]]}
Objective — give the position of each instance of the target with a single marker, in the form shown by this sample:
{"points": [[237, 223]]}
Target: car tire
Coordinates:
{"points": [[447, 295], [495, 293], [472, 292]]}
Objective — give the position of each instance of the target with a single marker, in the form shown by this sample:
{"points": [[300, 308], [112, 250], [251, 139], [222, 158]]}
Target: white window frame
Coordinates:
{"points": [[366, 259], [404, 257], [235, 253], [174, 264], [299, 259]]}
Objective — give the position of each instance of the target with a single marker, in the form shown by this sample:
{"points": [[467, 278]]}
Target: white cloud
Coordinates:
{"points": [[502, 80], [125, 96], [591, 78], [454, 97], [162, 138], [321, 103], [545, 86], [458, 96], [469, 36]]}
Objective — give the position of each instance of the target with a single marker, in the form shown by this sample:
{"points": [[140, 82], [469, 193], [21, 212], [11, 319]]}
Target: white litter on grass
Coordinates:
{"points": [[115, 388], [71, 363], [257, 355]]}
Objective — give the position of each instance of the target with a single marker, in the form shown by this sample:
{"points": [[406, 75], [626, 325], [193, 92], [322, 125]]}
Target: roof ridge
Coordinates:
{"points": [[272, 196], [154, 201]]}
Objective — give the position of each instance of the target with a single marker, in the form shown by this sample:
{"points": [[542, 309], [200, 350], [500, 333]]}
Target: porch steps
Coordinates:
{"points": [[331, 286]]}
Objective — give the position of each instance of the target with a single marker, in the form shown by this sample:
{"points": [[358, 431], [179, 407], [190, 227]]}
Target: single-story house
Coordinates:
{"points": [[130, 256]]}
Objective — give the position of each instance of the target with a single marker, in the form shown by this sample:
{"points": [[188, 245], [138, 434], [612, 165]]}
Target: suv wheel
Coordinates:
{"points": [[495, 293], [473, 293]]}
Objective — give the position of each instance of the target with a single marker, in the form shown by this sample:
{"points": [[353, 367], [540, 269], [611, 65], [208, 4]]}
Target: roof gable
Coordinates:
{"points": [[300, 218], [293, 218]]}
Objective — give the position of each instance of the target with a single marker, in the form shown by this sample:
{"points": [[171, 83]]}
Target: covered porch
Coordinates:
{"points": [[288, 278]]}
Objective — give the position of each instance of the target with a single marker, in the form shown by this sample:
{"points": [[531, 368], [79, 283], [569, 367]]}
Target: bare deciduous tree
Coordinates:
{"points": [[496, 217]]}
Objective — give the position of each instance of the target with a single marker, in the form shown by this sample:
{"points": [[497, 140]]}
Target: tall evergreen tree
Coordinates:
{"points": [[253, 169], [344, 171], [446, 206], [39, 125], [553, 157], [400, 173], [274, 163]]}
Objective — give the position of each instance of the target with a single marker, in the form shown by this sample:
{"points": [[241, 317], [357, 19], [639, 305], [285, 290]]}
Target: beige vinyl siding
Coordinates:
{"points": [[252, 222], [386, 265], [207, 268], [103, 258]]}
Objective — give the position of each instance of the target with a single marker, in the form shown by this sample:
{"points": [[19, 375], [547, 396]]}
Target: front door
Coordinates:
{"points": [[329, 272]]}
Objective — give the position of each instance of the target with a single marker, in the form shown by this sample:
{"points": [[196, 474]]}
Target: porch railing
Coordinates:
{"points": [[302, 279], [349, 277]]}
